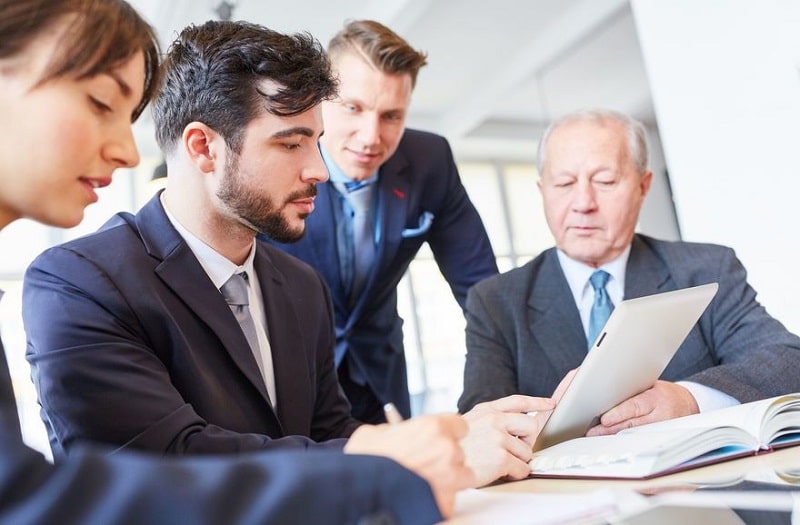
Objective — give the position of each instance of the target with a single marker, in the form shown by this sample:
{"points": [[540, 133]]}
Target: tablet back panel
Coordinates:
{"points": [[632, 350]]}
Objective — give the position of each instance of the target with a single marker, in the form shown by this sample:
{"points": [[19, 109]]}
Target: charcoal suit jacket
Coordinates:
{"points": [[524, 331]]}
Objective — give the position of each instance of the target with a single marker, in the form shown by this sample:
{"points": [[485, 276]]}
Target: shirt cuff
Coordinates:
{"points": [[708, 398]]}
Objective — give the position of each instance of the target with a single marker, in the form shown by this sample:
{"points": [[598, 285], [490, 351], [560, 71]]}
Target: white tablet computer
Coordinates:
{"points": [[631, 352]]}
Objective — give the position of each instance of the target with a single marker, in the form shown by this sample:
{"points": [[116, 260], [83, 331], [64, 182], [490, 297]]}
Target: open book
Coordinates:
{"points": [[677, 444]]}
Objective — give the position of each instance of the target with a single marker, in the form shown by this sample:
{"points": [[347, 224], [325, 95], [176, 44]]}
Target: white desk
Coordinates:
{"points": [[670, 499]]}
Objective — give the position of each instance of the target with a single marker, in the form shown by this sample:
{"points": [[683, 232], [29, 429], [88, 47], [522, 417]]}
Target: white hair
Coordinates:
{"points": [[634, 130]]}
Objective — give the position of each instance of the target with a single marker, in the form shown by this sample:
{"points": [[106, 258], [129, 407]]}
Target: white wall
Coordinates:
{"points": [[726, 90]]}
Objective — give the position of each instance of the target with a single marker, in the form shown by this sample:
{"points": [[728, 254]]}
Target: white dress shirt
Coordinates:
{"points": [[219, 270]]}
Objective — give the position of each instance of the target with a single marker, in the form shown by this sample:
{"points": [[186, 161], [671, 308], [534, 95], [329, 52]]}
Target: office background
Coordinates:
{"points": [[716, 82]]}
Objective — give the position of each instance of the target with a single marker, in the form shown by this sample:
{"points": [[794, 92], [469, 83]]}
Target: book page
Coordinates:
{"points": [[748, 416], [782, 422], [632, 455], [674, 444]]}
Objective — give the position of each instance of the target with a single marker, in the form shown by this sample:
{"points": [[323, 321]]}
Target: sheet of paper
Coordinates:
{"points": [[717, 507], [480, 507]]}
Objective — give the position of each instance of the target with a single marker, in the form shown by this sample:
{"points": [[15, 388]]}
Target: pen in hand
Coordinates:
{"points": [[392, 414]]}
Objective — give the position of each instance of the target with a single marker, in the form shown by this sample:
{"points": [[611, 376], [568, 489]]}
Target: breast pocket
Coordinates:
{"points": [[424, 224]]}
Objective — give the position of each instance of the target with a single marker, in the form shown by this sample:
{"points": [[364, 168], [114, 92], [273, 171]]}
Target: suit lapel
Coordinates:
{"points": [[322, 237], [393, 193], [556, 325], [647, 274], [644, 273], [284, 326], [182, 273]]}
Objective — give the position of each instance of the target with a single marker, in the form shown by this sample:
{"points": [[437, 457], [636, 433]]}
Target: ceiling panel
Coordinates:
{"points": [[497, 70]]}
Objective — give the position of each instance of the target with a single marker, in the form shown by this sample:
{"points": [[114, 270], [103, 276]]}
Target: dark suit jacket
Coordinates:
{"points": [[420, 177], [131, 345], [524, 331], [270, 487]]}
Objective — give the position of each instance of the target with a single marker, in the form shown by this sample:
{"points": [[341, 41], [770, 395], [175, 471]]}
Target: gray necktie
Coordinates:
{"points": [[601, 307], [235, 292], [363, 237]]}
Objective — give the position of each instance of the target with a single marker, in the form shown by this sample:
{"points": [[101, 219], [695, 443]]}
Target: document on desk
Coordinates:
{"points": [[677, 444], [481, 507], [735, 508], [733, 499]]}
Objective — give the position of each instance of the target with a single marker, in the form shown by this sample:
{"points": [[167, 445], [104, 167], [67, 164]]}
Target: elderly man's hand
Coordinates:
{"points": [[664, 400]]}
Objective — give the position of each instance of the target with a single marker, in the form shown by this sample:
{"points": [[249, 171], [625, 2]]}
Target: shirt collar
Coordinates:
{"points": [[337, 176], [578, 273], [218, 267]]}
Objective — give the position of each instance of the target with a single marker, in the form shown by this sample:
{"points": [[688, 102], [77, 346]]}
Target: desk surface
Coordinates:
{"points": [[755, 490]]}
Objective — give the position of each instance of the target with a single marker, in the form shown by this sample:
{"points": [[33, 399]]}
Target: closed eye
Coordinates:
{"points": [[99, 105], [604, 184]]}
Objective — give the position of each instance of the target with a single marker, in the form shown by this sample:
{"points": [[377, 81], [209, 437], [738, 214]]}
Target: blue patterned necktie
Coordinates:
{"points": [[601, 307]]}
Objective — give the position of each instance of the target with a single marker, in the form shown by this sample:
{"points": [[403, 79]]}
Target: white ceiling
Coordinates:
{"points": [[497, 71]]}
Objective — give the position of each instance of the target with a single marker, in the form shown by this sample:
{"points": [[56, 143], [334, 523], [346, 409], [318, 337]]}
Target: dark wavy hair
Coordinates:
{"points": [[215, 73], [102, 35]]}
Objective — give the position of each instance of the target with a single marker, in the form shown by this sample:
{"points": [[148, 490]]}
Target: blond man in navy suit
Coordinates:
{"points": [[528, 327], [415, 196]]}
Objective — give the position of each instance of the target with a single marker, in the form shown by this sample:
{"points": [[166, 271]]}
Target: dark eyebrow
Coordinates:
{"points": [[306, 132]]}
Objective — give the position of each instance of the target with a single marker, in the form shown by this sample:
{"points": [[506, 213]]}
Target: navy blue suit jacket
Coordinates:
{"points": [[270, 487], [420, 177], [131, 345], [524, 331]]}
